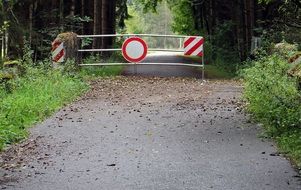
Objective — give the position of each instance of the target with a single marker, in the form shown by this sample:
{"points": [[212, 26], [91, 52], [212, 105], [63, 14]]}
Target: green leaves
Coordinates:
{"points": [[150, 4], [275, 102], [273, 96], [4, 27], [183, 18]]}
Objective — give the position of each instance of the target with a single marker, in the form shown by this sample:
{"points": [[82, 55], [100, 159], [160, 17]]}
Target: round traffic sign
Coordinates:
{"points": [[134, 49]]}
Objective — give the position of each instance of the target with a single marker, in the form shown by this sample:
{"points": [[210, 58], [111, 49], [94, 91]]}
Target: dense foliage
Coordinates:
{"points": [[273, 97], [39, 22], [233, 29], [275, 101]]}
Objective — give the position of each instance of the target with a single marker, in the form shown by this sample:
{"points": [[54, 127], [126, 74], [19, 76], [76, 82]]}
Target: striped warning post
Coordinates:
{"points": [[194, 46], [58, 52]]}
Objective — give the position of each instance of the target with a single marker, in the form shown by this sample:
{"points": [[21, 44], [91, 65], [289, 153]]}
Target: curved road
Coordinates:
{"points": [[149, 133]]}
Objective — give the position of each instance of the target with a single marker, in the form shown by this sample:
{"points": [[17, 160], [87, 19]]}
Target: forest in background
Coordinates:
{"points": [[37, 23], [230, 27]]}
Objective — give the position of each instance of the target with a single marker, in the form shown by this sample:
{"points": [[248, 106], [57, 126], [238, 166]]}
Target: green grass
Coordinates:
{"points": [[274, 100], [27, 100], [92, 72], [214, 71], [34, 97], [290, 144]]}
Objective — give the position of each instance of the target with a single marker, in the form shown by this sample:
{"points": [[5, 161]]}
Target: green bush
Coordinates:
{"points": [[272, 96]]}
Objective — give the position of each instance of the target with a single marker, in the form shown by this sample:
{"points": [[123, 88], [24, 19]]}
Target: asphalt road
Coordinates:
{"points": [[149, 133], [162, 70]]}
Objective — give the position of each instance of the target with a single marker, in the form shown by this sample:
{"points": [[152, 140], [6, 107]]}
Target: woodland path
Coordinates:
{"points": [[149, 133]]}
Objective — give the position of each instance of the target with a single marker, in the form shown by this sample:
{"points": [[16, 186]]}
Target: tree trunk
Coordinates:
{"points": [[104, 17], [1, 48], [108, 21], [252, 17], [4, 39], [238, 9], [61, 14], [72, 8], [30, 22], [82, 14], [97, 23], [246, 8], [242, 30], [112, 17]]}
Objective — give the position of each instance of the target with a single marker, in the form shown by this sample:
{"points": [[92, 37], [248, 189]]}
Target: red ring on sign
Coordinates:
{"points": [[127, 57]]}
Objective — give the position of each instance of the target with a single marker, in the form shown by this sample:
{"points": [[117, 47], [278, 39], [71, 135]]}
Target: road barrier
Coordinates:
{"points": [[194, 46], [134, 49]]}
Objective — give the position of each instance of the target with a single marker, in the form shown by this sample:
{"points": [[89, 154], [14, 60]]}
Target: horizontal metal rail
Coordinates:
{"points": [[118, 49], [181, 49], [120, 64], [127, 35], [98, 50]]}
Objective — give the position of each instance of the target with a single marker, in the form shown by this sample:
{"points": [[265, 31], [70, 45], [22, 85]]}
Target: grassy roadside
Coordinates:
{"points": [[213, 71], [33, 98], [41, 92], [93, 72], [274, 100], [289, 144]]}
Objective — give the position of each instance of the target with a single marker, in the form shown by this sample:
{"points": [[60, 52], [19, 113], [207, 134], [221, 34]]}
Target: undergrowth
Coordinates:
{"points": [[33, 97], [275, 101], [42, 90]]}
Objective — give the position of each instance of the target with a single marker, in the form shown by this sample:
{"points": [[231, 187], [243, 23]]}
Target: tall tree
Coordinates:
{"points": [[108, 21], [97, 27]]}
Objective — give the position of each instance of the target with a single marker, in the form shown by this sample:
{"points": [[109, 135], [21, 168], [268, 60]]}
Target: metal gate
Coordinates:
{"points": [[195, 43]]}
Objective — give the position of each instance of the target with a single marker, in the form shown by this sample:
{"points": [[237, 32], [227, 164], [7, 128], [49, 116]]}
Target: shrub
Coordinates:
{"points": [[272, 96]]}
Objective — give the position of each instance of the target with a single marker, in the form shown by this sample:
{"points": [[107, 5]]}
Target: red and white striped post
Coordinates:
{"points": [[58, 51], [194, 46]]}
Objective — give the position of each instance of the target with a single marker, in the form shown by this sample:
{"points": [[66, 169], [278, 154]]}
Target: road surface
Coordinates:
{"points": [[149, 133], [164, 71]]}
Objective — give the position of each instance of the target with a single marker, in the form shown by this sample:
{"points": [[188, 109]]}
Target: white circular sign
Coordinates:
{"points": [[134, 49]]}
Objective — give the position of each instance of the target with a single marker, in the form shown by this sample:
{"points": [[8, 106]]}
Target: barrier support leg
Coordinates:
{"points": [[203, 68], [135, 67]]}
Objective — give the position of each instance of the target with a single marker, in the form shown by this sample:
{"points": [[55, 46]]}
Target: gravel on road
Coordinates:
{"points": [[149, 133]]}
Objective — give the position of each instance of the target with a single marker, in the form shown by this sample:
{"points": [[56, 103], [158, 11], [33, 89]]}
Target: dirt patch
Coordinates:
{"points": [[18, 156]]}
